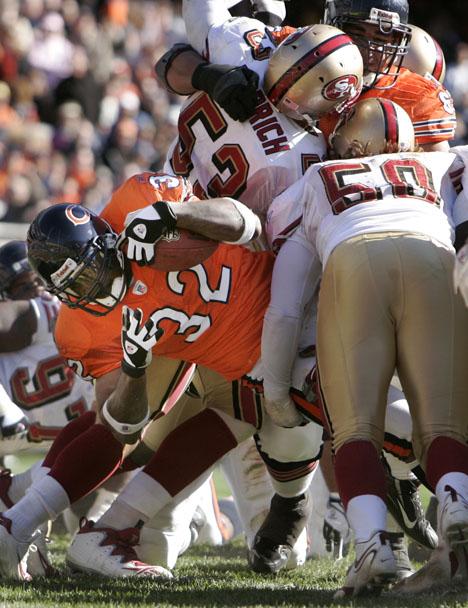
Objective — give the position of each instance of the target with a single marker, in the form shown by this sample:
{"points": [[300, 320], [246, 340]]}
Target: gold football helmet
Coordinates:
{"points": [[424, 55], [373, 126], [314, 70]]}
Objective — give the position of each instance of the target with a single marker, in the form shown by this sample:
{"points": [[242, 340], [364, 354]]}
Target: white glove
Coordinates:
{"points": [[144, 228], [460, 273], [137, 341], [284, 413], [336, 529]]}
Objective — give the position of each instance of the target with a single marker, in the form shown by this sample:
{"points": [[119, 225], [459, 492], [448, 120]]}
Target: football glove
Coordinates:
{"points": [[233, 88], [336, 530], [284, 413], [460, 273], [144, 228], [137, 341]]}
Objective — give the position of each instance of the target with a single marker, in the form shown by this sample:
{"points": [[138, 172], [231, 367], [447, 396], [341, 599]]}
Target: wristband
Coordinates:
{"points": [[206, 76], [133, 372], [252, 227], [167, 214], [124, 428]]}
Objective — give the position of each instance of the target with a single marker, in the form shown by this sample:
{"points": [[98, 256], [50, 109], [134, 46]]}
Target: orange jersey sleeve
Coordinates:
{"points": [[427, 102], [141, 190]]}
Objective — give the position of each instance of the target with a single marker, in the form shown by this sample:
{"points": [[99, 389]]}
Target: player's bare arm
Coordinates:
{"points": [[124, 409], [440, 146], [18, 324], [220, 219]]}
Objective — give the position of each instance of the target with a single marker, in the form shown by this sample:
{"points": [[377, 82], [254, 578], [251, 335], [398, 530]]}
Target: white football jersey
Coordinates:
{"points": [[252, 161], [406, 192], [40, 382]]}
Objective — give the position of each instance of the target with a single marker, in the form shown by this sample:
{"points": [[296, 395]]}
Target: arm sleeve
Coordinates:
{"points": [[295, 278], [200, 16]]}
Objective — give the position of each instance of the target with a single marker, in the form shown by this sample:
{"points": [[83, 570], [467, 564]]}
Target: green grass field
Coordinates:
{"points": [[206, 576]]}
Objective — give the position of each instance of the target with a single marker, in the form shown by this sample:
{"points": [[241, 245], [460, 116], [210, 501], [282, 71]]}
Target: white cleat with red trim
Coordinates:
{"points": [[109, 552], [38, 561], [13, 553], [373, 568]]}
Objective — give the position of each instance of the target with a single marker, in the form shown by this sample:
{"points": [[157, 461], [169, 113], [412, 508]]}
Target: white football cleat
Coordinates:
{"points": [[109, 552], [453, 527], [13, 553], [453, 517], [441, 570], [38, 561], [373, 568]]}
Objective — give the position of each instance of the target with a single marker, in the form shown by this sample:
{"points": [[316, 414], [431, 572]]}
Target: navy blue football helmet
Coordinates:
{"points": [[379, 28], [13, 264], [73, 251]]}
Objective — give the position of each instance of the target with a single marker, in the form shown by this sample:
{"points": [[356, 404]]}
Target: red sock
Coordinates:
{"points": [[67, 434], [87, 461], [190, 450], [445, 455], [359, 471]]}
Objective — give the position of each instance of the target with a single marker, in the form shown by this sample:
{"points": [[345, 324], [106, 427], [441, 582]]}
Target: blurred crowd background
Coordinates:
{"points": [[80, 109]]}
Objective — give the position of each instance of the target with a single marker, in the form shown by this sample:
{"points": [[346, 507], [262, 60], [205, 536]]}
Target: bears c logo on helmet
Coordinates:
{"points": [[77, 215]]}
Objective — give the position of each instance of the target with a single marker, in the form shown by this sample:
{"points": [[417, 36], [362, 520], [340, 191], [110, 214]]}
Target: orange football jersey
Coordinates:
{"points": [[428, 103], [211, 314]]}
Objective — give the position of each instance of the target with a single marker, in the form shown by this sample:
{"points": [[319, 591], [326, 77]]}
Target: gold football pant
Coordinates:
{"points": [[387, 301]]}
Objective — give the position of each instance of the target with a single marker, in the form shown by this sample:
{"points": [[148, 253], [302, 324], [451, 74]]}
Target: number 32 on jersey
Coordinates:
{"points": [[193, 326]]}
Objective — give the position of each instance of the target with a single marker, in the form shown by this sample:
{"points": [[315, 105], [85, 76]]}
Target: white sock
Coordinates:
{"points": [[141, 499], [21, 482], [44, 501], [120, 515], [458, 481], [366, 514]]}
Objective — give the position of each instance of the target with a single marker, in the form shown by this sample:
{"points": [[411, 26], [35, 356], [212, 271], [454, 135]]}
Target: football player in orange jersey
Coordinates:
{"points": [[211, 314]]}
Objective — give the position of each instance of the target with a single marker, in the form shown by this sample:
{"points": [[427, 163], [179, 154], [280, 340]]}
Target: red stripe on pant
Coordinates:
{"points": [[189, 450], [359, 471]]}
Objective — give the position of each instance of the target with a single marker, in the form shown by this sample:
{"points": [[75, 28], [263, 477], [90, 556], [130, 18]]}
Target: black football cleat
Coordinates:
{"points": [[404, 504], [278, 534]]}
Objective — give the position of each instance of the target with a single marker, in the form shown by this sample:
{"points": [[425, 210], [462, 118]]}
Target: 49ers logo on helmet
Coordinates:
{"points": [[343, 86], [76, 215]]}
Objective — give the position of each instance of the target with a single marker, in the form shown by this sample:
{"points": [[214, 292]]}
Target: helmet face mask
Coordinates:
{"points": [[95, 284], [74, 252], [379, 28]]}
